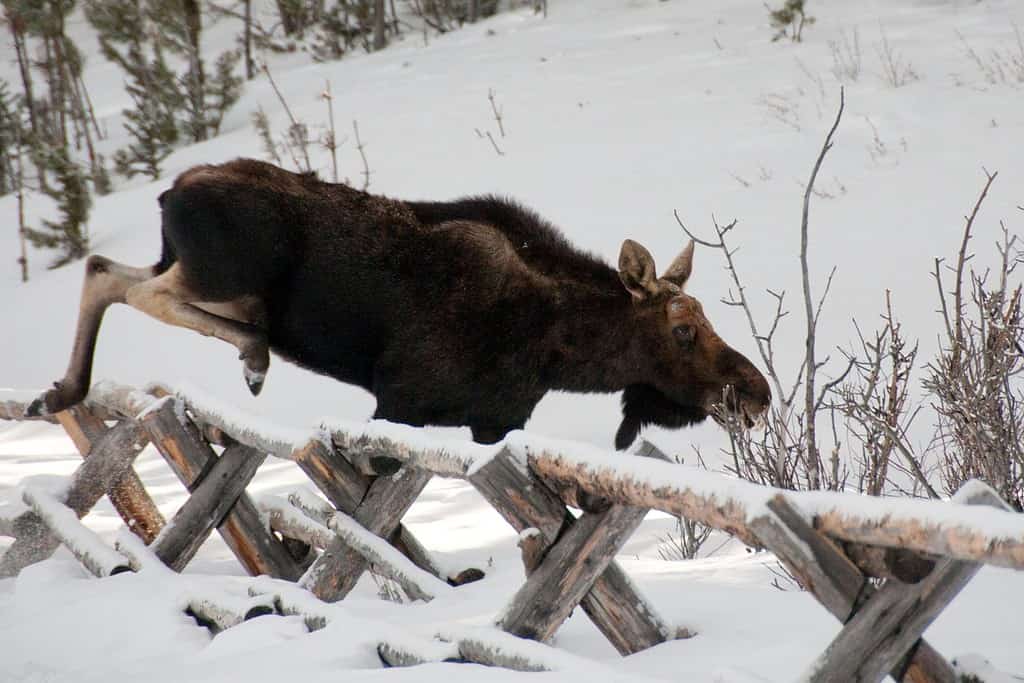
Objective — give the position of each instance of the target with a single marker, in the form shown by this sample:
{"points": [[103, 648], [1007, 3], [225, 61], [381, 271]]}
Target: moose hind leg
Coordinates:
{"points": [[170, 299], [106, 282]]}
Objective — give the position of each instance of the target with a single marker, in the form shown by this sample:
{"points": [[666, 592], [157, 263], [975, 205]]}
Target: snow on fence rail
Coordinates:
{"points": [[372, 473]]}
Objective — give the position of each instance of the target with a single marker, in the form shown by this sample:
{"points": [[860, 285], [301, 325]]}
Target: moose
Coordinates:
{"points": [[461, 313]]}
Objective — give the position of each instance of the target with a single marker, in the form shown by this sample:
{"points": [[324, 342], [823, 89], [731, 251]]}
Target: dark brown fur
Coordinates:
{"points": [[457, 313]]}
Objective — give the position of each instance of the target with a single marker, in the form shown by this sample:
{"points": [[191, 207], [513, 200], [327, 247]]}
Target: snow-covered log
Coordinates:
{"points": [[291, 600], [220, 612], [311, 505], [933, 527], [184, 449], [345, 487], [15, 410], [128, 495], [337, 570], [83, 543], [835, 580], [569, 569], [111, 457], [875, 640], [386, 560], [140, 557], [613, 603], [208, 505], [404, 650], [290, 522]]}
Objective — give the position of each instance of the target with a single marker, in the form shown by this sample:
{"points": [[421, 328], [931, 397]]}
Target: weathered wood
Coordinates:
{"points": [[128, 495], [208, 505], [835, 581], [288, 521], [401, 652], [387, 560], [112, 456], [816, 562], [905, 529], [480, 651], [337, 570], [345, 487], [310, 522], [613, 603], [710, 504], [179, 441], [221, 612], [291, 600], [369, 453], [531, 544], [129, 401], [83, 543], [878, 636], [15, 411], [569, 569]]}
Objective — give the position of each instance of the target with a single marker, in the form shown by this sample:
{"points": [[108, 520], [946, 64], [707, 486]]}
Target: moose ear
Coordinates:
{"points": [[636, 270], [679, 272]]}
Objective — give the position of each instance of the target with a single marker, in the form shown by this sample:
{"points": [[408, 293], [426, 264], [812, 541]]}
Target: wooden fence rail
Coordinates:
{"points": [[835, 544]]}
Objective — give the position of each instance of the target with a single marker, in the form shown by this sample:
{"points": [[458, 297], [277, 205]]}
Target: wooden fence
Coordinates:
{"points": [[834, 544]]}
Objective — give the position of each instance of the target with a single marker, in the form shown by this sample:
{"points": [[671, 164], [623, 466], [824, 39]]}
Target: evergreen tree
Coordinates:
{"points": [[10, 137], [135, 34], [71, 192]]}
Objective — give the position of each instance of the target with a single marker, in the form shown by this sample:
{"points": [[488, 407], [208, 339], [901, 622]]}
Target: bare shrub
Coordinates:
{"points": [[896, 71], [685, 542], [878, 411], [789, 20], [1000, 65], [782, 108], [975, 378], [786, 454], [846, 56]]}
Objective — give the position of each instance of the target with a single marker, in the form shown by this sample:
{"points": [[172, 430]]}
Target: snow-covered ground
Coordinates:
{"points": [[616, 112]]}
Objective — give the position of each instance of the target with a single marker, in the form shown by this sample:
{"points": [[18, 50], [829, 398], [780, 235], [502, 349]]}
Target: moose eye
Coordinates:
{"points": [[685, 335]]}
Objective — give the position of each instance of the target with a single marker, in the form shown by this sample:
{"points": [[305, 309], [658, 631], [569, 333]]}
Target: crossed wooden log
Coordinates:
{"points": [[371, 480]]}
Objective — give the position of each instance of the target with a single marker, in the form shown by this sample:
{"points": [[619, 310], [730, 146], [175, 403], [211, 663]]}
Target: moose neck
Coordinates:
{"points": [[594, 338]]}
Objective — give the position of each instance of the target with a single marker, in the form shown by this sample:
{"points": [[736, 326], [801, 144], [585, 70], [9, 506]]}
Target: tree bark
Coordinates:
{"points": [[380, 40]]}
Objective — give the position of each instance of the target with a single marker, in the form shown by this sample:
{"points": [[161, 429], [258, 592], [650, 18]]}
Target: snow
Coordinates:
{"points": [[616, 113]]}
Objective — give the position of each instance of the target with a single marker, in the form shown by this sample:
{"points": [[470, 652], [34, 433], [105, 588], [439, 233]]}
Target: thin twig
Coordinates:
{"points": [[332, 139], [295, 124], [362, 154], [496, 111]]}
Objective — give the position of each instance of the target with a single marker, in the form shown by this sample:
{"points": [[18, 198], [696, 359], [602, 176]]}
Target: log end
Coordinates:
{"points": [[258, 611], [470, 575], [383, 466]]}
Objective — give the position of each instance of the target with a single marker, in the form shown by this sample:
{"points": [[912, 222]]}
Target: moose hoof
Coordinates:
{"points": [[37, 408], [254, 379], [51, 402]]}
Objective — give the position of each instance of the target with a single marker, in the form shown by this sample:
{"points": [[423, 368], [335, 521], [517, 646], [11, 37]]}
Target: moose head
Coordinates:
{"points": [[691, 373]]}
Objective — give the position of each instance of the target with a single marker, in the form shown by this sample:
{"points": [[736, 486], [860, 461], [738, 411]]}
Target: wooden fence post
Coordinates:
{"points": [[211, 500], [612, 603], [111, 457], [128, 495], [568, 570], [336, 571], [190, 457]]}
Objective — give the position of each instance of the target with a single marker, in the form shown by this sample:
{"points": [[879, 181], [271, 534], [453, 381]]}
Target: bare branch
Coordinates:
{"points": [[809, 397]]}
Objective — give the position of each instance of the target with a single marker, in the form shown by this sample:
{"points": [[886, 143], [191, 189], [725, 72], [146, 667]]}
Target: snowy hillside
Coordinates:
{"points": [[616, 113]]}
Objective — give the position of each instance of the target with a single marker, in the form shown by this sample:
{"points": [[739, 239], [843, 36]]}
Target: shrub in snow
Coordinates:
{"points": [[789, 20]]}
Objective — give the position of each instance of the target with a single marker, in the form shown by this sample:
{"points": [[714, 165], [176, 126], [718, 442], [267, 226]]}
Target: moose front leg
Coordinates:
{"points": [[106, 282], [170, 299]]}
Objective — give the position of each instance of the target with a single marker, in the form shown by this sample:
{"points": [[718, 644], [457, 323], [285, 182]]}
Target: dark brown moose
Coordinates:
{"points": [[450, 313]]}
